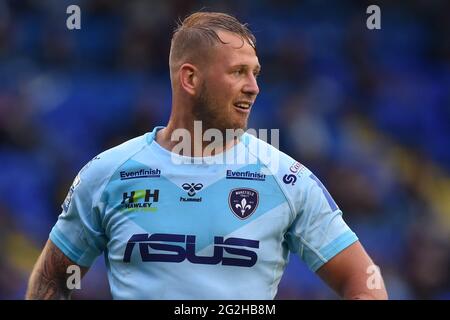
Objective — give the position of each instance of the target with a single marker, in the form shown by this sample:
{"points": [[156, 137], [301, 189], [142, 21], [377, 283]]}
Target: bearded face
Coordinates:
{"points": [[217, 111]]}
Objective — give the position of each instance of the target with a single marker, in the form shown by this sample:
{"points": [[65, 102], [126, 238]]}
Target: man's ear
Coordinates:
{"points": [[189, 78]]}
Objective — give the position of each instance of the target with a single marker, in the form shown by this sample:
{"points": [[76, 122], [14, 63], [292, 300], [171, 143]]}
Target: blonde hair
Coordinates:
{"points": [[197, 33]]}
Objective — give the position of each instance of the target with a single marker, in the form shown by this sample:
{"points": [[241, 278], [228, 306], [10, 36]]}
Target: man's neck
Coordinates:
{"points": [[192, 138]]}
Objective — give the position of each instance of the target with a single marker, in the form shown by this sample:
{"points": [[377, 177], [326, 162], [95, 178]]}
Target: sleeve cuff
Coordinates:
{"points": [[81, 258], [333, 248]]}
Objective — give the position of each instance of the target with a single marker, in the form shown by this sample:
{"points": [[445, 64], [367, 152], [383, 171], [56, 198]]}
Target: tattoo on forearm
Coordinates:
{"points": [[48, 279]]}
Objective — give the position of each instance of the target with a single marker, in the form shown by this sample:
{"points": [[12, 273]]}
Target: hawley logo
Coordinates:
{"points": [[243, 202], [140, 200]]}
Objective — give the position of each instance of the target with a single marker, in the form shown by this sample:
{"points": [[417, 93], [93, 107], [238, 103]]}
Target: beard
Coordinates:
{"points": [[213, 115]]}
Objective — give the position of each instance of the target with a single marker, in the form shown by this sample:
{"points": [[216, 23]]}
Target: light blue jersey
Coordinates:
{"points": [[197, 230]]}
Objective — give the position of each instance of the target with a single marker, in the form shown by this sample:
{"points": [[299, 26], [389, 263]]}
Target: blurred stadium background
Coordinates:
{"points": [[368, 111]]}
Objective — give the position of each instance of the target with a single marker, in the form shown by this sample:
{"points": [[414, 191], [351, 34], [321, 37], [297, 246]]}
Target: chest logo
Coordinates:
{"points": [[243, 202], [191, 189], [143, 200], [289, 179]]}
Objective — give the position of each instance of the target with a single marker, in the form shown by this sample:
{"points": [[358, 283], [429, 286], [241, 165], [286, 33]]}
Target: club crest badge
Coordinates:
{"points": [[243, 202]]}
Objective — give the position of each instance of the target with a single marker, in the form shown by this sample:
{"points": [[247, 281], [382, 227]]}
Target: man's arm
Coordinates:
{"points": [[353, 275], [48, 280]]}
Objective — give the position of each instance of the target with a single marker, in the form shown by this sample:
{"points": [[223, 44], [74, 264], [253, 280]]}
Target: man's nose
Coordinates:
{"points": [[251, 86]]}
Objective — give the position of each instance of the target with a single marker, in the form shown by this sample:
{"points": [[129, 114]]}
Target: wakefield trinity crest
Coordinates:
{"points": [[243, 202]]}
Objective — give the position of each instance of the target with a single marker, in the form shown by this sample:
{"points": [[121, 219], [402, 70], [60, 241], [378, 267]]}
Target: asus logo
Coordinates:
{"points": [[182, 247]]}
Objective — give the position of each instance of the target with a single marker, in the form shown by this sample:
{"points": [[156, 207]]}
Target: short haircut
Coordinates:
{"points": [[197, 33]]}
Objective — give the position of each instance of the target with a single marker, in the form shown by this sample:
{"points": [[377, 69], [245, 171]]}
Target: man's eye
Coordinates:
{"points": [[239, 72]]}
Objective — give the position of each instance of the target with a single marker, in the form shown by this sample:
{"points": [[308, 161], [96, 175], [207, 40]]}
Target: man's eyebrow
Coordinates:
{"points": [[257, 68]]}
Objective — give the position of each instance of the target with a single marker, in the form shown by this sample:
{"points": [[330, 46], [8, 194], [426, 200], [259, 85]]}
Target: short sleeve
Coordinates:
{"points": [[318, 231], [78, 233]]}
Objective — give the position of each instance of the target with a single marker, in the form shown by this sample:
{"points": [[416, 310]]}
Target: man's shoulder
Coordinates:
{"points": [[276, 160], [104, 164], [125, 149], [291, 176]]}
